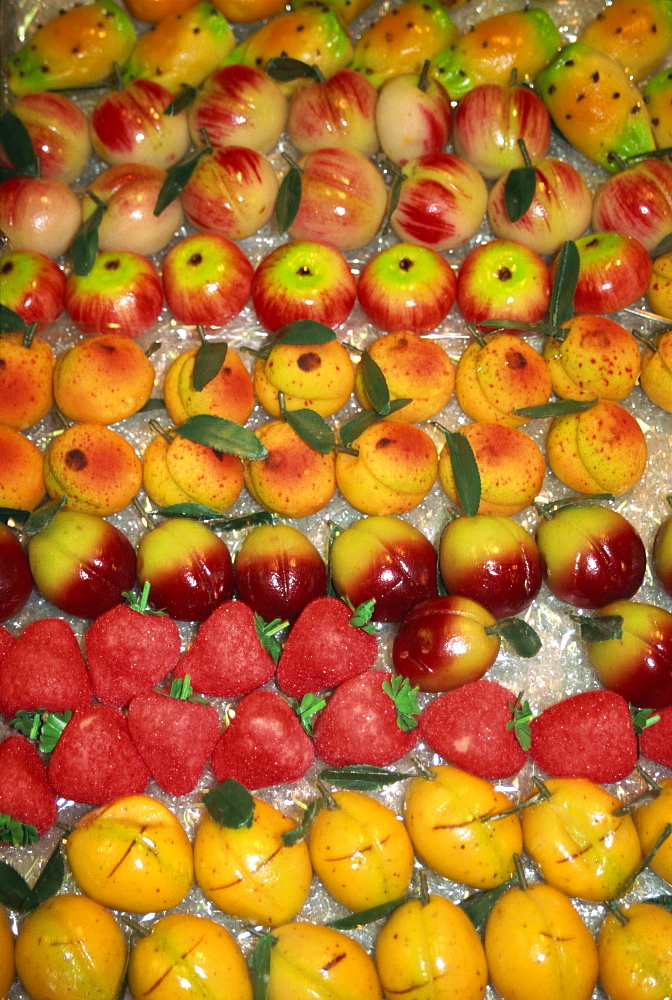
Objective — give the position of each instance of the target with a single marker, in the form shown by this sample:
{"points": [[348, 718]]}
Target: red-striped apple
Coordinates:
{"points": [[206, 279]]}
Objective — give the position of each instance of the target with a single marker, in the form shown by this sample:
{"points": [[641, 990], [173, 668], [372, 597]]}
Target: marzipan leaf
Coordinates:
{"points": [[11, 322], [12, 831], [564, 284], [291, 837], [40, 518], [260, 966], [351, 429], [230, 804], [175, 180], [284, 69], [288, 199], [600, 627], [13, 887], [519, 189], [312, 428], [223, 435], [181, 101], [267, 632], [208, 362], [362, 917], [362, 776], [155, 403], [557, 409], [478, 905], [519, 635], [665, 900], [301, 331], [48, 883], [465, 471], [375, 385], [84, 248], [18, 145]]}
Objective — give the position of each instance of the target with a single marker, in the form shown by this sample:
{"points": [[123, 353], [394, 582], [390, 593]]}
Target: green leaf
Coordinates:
{"points": [[478, 905], [564, 284], [230, 804], [40, 518], [559, 408], [361, 615], [260, 966], [664, 900], [307, 708], [600, 627], [246, 520], [313, 429], [15, 138], [181, 100], [13, 887], [519, 188], [11, 322], [291, 837], [52, 726], [176, 179], [642, 718], [180, 689], [223, 435], [351, 429], [363, 777], [12, 831], [665, 246], [284, 69], [49, 881], [84, 248], [266, 633], [465, 471], [518, 634], [405, 698], [288, 199], [299, 332], [375, 385], [520, 723], [368, 916], [155, 403], [208, 363]]}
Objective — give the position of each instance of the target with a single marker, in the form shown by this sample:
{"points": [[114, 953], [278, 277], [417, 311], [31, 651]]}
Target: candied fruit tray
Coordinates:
{"points": [[558, 670]]}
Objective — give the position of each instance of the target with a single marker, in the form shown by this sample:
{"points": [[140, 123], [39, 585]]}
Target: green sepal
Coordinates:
{"points": [[642, 718], [141, 604], [291, 837], [369, 916], [223, 435], [208, 362], [288, 199], [45, 727], [18, 146], [405, 698], [520, 723], [477, 906], [312, 428], [180, 689], [266, 633], [13, 831], [361, 615], [230, 804], [307, 708], [362, 777]]}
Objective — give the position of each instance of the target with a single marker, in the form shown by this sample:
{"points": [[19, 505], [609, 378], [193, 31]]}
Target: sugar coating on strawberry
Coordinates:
{"points": [[128, 652], [174, 738], [472, 727], [264, 744], [95, 759], [6, 640], [324, 649], [26, 794], [226, 659], [360, 724], [655, 742], [44, 669], [588, 735]]}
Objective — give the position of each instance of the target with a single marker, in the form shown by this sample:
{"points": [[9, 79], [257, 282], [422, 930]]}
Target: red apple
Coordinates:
{"points": [[39, 213], [614, 271], [387, 559], [591, 555], [129, 126], [638, 665], [278, 571], [638, 201], [81, 563], [339, 111], [238, 105], [188, 567], [343, 198], [206, 279], [16, 581], [504, 280], [32, 285], [442, 202], [130, 191], [491, 559], [489, 121], [560, 208], [442, 643], [59, 132], [303, 279], [232, 191], [661, 555], [407, 287], [413, 117], [122, 294]]}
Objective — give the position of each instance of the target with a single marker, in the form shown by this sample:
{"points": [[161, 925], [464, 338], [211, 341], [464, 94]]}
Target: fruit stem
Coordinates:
{"points": [[153, 348], [618, 912], [660, 840], [617, 160], [525, 154], [156, 426], [29, 335], [425, 772], [424, 81], [520, 871], [329, 799], [644, 338], [550, 509], [291, 162], [424, 888], [145, 516], [473, 330]]}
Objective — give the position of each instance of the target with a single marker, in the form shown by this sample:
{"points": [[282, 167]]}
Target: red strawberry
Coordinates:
{"points": [[6, 640], [325, 647], [44, 669], [26, 793], [174, 737], [472, 726], [589, 735], [264, 744], [369, 719], [655, 742], [95, 759], [130, 649], [227, 659]]}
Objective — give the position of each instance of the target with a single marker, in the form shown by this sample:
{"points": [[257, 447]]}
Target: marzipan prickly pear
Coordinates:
{"points": [[181, 48], [595, 105], [77, 48], [402, 39], [636, 32], [658, 99], [524, 40]]}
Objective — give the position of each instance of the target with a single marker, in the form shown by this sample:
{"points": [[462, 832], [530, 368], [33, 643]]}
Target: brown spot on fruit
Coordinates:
{"points": [[514, 359], [309, 361], [76, 460]]}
